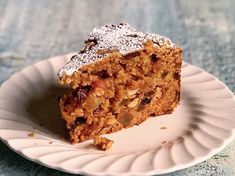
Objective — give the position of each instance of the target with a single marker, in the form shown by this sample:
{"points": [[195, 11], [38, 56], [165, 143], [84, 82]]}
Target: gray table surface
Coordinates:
{"points": [[34, 30]]}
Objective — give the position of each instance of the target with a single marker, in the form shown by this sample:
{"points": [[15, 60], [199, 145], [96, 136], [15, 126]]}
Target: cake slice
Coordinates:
{"points": [[118, 80]]}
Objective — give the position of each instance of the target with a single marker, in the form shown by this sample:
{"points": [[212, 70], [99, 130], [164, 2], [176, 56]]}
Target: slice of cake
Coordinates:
{"points": [[118, 80]]}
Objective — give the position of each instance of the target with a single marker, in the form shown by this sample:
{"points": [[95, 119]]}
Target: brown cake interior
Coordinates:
{"points": [[121, 91]]}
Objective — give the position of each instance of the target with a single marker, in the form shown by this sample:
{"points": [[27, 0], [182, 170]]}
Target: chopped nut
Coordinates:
{"points": [[111, 121], [102, 143], [158, 93], [132, 92], [99, 91], [124, 102], [133, 103]]}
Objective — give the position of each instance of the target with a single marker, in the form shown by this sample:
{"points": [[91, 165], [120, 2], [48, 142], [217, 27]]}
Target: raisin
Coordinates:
{"points": [[154, 58], [123, 65], [103, 74], [176, 75], [87, 88], [80, 120], [164, 74], [135, 77], [145, 101], [77, 122]]}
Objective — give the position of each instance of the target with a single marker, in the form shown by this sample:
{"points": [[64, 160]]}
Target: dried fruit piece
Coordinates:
{"points": [[124, 118], [77, 122], [145, 101], [154, 58], [81, 93], [164, 74], [80, 120], [142, 104], [92, 103], [103, 74], [176, 75]]}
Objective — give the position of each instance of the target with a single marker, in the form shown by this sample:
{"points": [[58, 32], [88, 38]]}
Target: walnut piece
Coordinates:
{"points": [[131, 92], [133, 103]]}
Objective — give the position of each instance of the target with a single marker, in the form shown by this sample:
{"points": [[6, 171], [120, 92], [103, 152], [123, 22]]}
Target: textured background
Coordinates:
{"points": [[34, 30]]}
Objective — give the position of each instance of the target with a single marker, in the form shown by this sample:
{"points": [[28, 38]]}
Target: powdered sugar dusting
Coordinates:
{"points": [[122, 38]]}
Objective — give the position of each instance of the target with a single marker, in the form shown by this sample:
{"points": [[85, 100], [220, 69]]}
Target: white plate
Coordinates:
{"points": [[31, 125]]}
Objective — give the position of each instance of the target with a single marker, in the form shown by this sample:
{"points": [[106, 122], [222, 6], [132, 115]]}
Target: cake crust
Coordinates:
{"points": [[109, 39]]}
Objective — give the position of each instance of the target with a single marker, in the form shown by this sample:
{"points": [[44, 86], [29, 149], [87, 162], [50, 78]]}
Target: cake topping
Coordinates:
{"points": [[108, 39]]}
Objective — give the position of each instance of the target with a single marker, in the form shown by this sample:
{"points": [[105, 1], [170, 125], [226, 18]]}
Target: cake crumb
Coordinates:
{"points": [[50, 142], [32, 134], [163, 142], [102, 143], [163, 128]]}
